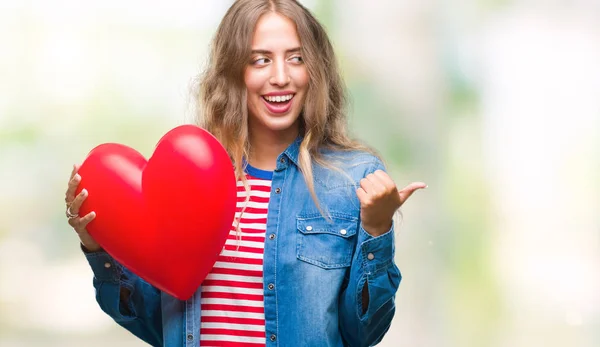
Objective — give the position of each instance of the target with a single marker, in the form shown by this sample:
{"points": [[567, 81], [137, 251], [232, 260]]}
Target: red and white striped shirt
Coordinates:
{"points": [[232, 294]]}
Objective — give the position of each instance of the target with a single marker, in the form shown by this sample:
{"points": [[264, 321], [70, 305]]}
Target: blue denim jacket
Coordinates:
{"points": [[314, 268]]}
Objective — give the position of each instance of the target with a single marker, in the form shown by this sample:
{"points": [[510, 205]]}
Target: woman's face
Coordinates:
{"points": [[276, 78]]}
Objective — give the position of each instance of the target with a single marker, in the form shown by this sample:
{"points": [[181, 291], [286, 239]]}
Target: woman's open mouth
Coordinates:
{"points": [[279, 103]]}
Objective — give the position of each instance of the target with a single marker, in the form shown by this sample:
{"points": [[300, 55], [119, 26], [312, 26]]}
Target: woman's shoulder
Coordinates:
{"points": [[354, 163], [353, 157]]}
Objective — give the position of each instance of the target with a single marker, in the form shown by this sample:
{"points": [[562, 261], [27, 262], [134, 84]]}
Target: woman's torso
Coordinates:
{"points": [[305, 257]]}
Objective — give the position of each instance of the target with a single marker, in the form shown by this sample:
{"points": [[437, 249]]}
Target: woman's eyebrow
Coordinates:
{"points": [[264, 51]]}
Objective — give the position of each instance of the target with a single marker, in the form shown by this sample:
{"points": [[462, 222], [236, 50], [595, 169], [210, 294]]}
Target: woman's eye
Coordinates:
{"points": [[297, 59], [261, 61]]}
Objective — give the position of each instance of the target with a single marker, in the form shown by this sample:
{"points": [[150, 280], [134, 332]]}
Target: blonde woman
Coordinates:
{"points": [[310, 256]]}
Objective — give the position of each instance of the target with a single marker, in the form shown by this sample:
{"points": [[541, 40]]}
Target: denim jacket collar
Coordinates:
{"points": [[293, 150]]}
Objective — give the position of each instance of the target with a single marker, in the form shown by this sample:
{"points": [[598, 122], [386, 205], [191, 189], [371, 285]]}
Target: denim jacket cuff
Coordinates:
{"points": [[377, 252], [105, 268]]}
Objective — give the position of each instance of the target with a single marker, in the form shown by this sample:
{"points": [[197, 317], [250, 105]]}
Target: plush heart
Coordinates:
{"points": [[165, 219]]}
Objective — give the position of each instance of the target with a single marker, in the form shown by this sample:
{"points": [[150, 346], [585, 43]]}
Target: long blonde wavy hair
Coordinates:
{"points": [[222, 93]]}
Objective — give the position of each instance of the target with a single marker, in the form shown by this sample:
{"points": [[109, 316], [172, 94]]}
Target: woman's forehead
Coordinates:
{"points": [[274, 32]]}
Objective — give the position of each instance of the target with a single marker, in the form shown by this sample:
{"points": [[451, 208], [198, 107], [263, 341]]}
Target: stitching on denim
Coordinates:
{"points": [[188, 304], [375, 269], [339, 215], [275, 263], [323, 265], [352, 231], [359, 307], [374, 266]]}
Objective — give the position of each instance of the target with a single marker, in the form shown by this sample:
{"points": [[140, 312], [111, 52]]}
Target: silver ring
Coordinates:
{"points": [[69, 214]]}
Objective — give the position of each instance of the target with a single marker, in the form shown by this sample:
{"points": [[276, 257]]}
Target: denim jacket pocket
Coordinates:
{"points": [[324, 243]]}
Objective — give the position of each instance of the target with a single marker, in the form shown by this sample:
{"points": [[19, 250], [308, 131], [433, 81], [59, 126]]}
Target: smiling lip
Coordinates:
{"points": [[280, 107], [283, 92]]}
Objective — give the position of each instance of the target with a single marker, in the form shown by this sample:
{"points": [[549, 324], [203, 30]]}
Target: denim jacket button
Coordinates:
{"points": [[107, 265], [277, 190], [308, 227], [282, 160], [190, 337], [272, 236], [370, 256], [271, 286], [273, 337], [343, 232]]}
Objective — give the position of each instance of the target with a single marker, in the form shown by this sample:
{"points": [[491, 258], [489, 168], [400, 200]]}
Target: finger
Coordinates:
{"points": [[407, 191], [378, 186], [363, 197], [367, 185], [85, 220], [384, 179], [74, 171], [74, 222], [76, 203], [73, 184], [372, 185], [382, 182]]}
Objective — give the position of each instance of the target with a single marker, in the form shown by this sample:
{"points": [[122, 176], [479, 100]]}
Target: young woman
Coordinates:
{"points": [[310, 256]]}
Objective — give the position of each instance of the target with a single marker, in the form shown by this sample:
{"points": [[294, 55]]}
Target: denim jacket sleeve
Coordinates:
{"points": [[141, 313], [373, 263]]}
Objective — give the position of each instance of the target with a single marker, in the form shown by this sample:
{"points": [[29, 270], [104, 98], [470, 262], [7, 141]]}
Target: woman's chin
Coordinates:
{"points": [[281, 125]]}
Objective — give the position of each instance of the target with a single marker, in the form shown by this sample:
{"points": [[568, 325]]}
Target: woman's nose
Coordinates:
{"points": [[280, 76]]}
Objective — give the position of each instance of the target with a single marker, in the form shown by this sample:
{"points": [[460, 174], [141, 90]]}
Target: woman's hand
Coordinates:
{"points": [[73, 204], [379, 199]]}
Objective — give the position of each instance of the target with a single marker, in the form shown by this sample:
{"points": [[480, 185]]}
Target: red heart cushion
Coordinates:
{"points": [[165, 219]]}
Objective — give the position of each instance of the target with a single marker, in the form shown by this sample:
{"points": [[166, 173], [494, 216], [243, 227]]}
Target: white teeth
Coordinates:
{"points": [[281, 98]]}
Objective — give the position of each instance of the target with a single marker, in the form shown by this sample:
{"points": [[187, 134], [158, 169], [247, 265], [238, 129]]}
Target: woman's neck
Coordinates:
{"points": [[266, 147]]}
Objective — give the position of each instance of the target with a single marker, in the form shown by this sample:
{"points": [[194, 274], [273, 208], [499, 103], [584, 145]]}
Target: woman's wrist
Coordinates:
{"points": [[90, 249], [377, 230]]}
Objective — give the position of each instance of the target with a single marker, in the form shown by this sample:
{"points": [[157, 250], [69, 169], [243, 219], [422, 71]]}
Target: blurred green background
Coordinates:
{"points": [[495, 104]]}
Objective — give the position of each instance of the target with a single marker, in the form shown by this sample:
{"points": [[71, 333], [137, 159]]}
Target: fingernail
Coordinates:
{"points": [[84, 191], [93, 214]]}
